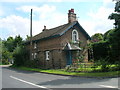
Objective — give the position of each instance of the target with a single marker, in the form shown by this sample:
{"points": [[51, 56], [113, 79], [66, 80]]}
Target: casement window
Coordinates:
{"points": [[32, 56], [35, 55], [35, 45], [47, 53], [75, 36]]}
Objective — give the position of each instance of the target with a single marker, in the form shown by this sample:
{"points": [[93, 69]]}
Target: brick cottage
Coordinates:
{"points": [[60, 46]]}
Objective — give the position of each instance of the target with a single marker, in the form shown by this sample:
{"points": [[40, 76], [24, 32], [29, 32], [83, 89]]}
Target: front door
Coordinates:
{"points": [[69, 57]]}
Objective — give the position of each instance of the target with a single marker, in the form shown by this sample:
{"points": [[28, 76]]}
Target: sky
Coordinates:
{"points": [[91, 14]]}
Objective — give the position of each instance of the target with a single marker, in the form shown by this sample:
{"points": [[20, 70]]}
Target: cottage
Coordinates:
{"points": [[60, 46]]}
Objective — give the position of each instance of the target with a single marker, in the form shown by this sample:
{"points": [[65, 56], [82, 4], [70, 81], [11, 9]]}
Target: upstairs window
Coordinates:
{"points": [[47, 55], [32, 56], [74, 36], [35, 45], [35, 55]]}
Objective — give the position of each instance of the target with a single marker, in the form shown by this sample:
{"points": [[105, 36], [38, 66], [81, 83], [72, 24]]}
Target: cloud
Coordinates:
{"points": [[50, 1], [1, 11], [14, 25], [45, 8], [99, 22], [44, 15]]}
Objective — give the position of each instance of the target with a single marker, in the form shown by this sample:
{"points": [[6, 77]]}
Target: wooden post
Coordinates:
{"points": [[31, 35]]}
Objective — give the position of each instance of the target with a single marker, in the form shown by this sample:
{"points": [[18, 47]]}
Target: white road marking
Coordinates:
{"points": [[29, 82], [108, 86]]}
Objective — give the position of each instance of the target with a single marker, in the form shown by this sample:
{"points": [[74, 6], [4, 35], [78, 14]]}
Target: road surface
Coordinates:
{"points": [[12, 78]]}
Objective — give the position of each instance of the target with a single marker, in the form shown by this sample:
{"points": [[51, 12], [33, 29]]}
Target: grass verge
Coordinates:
{"points": [[83, 74]]}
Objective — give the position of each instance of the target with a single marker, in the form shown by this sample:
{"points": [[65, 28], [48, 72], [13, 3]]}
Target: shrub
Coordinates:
{"points": [[5, 62], [20, 56]]}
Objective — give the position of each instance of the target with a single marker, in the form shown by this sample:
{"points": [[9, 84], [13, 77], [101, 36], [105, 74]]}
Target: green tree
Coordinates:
{"points": [[97, 37], [108, 34], [18, 41], [9, 44], [116, 16], [114, 38], [27, 37]]}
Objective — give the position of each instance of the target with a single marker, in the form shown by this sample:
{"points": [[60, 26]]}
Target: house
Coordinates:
{"points": [[60, 46]]}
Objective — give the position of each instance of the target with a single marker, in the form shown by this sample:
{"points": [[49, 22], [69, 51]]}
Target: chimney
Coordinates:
{"points": [[71, 16], [44, 28]]}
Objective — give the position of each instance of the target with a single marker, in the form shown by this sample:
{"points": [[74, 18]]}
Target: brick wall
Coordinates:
{"points": [[56, 46]]}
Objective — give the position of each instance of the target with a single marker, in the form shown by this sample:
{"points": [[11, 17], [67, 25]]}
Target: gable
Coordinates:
{"points": [[79, 28]]}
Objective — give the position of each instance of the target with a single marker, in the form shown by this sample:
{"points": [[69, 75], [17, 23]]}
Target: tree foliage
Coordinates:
{"points": [[20, 56], [116, 16], [97, 37], [8, 48], [108, 49]]}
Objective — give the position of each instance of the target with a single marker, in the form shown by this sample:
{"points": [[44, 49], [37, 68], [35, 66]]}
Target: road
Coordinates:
{"points": [[12, 78]]}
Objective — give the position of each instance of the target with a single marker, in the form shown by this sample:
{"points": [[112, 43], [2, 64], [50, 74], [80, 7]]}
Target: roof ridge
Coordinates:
{"points": [[60, 28], [57, 26], [52, 29]]}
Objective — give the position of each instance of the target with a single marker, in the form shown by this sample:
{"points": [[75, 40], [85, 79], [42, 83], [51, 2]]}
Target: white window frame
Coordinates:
{"points": [[32, 55], [35, 45], [75, 35], [47, 53], [35, 55]]}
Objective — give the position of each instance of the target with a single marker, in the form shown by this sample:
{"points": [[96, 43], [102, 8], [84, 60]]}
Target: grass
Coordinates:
{"points": [[83, 74]]}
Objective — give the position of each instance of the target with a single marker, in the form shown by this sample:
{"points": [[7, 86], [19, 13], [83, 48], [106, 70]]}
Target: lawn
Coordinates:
{"points": [[83, 74], [0, 63]]}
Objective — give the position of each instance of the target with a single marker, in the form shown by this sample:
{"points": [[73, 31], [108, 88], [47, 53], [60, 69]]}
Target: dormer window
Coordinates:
{"points": [[35, 45], [75, 36]]}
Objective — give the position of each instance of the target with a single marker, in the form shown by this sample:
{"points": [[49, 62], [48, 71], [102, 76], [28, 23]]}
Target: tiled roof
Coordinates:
{"points": [[57, 31]]}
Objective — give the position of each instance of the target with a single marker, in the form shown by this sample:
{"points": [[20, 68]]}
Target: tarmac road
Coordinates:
{"points": [[12, 78]]}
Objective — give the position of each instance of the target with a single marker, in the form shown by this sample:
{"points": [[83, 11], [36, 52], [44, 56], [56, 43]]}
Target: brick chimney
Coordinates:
{"points": [[44, 28], [71, 16]]}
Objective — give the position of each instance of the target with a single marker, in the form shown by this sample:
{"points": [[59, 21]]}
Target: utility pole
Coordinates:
{"points": [[31, 35]]}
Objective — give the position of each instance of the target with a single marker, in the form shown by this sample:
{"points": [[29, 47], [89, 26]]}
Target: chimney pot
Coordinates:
{"points": [[69, 11], [72, 10], [44, 27]]}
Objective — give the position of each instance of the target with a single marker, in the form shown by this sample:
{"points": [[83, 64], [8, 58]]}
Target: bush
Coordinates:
{"points": [[100, 50], [4, 62], [32, 63], [20, 56], [103, 65]]}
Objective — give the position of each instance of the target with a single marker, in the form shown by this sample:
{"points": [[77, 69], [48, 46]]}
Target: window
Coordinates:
{"points": [[35, 55], [47, 55], [74, 36], [35, 45], [32, 55]]}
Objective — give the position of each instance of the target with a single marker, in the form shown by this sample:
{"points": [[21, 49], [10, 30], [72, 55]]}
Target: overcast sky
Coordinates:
{"points": [[15, 15]]}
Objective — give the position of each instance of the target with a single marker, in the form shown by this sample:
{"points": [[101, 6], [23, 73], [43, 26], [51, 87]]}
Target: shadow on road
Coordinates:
{"points": [[74, 80]]}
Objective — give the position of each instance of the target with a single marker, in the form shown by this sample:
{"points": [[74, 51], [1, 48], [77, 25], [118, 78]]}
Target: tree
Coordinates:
{"points": [[18, 41], [8, 47], [108, 34], [114, 38], [9, 44], [27, 37], [116, 16], [97, 37]]}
